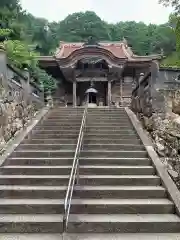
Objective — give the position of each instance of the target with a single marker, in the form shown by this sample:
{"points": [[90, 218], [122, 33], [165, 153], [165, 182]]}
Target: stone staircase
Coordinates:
{"points": [[119, 190], [34, 178]]}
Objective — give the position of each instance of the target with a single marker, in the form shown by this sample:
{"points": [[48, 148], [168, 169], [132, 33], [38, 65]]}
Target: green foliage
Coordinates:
{"points": [[144, 39], [45, 80], [44, 37], [174, 3], [22, 29], [4, 33], [171, 61], [78, 27], [19, 54]]}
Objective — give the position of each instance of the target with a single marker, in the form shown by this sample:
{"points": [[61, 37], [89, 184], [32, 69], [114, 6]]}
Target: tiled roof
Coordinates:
{"points": [[118, 49]]}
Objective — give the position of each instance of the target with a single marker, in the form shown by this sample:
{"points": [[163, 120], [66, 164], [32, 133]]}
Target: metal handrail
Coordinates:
{"points": [[74, 172]]}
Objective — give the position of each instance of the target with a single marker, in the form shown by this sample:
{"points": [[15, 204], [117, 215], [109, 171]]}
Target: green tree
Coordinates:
{"points": [[174, 3], [80, 26], [19, 54]]}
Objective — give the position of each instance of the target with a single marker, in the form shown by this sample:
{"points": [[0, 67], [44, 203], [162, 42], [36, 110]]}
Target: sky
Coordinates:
{"points": [[112, 11]]}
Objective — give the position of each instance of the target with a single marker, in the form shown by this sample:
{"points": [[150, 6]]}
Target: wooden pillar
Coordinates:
{"points": [[74, 94], [109, 93], [121, 91]]}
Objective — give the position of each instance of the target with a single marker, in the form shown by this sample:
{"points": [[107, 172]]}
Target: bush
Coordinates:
{"points": [[49, 83], [4, 34]]}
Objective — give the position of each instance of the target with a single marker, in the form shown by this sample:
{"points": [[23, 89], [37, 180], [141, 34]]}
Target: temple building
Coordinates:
{"points": [[102, 73]]}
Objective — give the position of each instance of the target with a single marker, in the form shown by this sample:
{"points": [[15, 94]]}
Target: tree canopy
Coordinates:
{"points": [[40, 36]]}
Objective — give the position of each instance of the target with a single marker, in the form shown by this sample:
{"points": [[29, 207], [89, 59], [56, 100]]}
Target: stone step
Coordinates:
{"points": [[64, 114], [106, 109], [121, 206], [119, 192], [84, 154], [114, 131], [107, 115], [51, 141], [109, 236], [123, 223], [126, 180], [110, 136], [59, 124], [64, 170], [57, 135], [110, 127], [56, 180], [65, 119], [111, 141], [81, 192], [89, 146], [108, 124], [31, 206], [117, 170], [40, 146], [83, 161], [65, 122], [59, 128], [108, 120], [85, 206], [115, 147], [86, 141], [32, 236], [43, 153], [28, 223], [35, 170], [35, 180], [74, 128], [113, 154], [33, 192], [57, 131]]}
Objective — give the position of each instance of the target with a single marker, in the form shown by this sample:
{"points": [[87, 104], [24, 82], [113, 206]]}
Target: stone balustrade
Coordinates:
{"points": [[20, 99], [147, 97]]}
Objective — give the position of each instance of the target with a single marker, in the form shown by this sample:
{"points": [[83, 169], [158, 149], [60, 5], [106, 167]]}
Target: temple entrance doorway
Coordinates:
{"points": [[95, 93], [91, 94]]}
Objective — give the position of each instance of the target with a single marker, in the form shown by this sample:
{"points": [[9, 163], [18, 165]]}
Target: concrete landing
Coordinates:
{"points": [[90, 237], [31, 237], [123, 237]]}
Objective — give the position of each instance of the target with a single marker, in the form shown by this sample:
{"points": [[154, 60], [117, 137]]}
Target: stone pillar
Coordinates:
{"points": [[42, 93], [26, 86], [158, 99], [109, 93], [49, 99], [3, 67], [74, 94]]}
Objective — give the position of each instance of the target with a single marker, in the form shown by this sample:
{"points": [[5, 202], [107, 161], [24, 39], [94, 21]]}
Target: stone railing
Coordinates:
{"points": [[21, 81], [147, 97], [20, 99]]}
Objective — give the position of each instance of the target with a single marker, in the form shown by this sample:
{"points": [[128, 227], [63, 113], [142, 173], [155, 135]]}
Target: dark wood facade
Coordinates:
{"points": [[111, 67]]}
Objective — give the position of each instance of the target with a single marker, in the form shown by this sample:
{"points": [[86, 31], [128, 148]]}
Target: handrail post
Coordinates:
{"points": [[74, 175]]}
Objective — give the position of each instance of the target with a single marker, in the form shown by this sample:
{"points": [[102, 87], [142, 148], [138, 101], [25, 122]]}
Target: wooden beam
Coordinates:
{"points": [[89, 79]]}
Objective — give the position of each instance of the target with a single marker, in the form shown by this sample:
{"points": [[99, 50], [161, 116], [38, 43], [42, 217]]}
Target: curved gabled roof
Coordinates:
{"points": [[119, 50]]}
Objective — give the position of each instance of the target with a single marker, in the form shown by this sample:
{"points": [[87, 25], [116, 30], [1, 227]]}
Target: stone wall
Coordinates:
{"points": [[19, 100], [156, 102], [15, 112], [165, 133]]}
